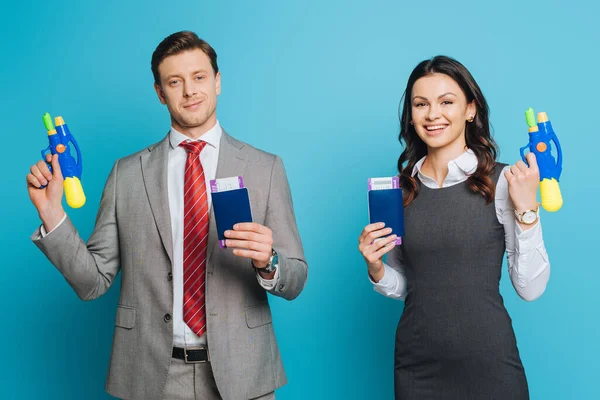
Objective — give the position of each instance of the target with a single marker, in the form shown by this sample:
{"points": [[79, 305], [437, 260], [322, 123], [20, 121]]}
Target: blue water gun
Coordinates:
{"points": [[59, 139], [540, 136]]}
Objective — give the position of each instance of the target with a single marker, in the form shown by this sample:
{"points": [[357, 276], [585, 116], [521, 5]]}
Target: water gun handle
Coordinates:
{"points": [[72, 184], [549, 187], [558, 153], [79, 165]]}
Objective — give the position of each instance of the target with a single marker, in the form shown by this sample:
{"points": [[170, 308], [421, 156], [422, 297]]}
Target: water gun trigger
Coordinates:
{"points": [[44, 153], [523, 154]]}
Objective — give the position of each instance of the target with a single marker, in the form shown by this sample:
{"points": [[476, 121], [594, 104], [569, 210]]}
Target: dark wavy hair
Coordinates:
{"points": [[478, 136]]}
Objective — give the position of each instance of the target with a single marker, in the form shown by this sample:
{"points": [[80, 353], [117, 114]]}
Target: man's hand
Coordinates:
{"points": [[47, 201], [253, 241]]}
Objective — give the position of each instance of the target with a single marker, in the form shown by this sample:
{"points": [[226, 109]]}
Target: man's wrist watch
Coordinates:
{"points": [[272, 264], [528, 217]]}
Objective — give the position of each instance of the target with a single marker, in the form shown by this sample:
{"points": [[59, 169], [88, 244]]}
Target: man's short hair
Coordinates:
{"points": [[179, 42]]}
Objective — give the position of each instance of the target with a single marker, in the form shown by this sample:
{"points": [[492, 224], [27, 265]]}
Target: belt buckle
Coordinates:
{"points": [[185, 355]]}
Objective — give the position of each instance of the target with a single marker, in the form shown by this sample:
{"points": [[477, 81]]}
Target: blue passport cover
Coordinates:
{"points": [[387, 206], [231, 207]]}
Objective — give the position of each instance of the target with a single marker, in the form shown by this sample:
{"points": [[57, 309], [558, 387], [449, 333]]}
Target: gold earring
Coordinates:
{"points": [[471, 118]]}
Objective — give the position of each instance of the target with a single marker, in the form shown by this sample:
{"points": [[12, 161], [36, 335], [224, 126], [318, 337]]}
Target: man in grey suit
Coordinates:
{"points": [[173, 340]]}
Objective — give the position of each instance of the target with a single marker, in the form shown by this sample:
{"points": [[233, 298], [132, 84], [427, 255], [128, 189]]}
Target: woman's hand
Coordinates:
{"points": [[373, 250], [523, 183]]}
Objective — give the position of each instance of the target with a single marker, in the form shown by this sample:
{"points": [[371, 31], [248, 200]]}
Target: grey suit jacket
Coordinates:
{"points": [[133, 234]]}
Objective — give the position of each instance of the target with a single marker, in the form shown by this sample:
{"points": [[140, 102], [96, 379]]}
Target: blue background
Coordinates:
{"points": [[319, 83]]}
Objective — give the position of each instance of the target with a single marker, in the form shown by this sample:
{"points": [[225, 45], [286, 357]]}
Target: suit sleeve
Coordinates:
{"points": [[280, 218], [89, 269]]}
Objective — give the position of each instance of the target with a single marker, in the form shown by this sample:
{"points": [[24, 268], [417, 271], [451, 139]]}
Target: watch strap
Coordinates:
{"points": [[271, 266], [519, 216]]}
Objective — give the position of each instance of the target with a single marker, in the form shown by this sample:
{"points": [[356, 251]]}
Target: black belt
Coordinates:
{"points": [[191, 355]]}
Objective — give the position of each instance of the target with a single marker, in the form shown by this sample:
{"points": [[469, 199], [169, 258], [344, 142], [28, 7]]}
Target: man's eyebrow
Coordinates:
{"points": [[194, 73]]}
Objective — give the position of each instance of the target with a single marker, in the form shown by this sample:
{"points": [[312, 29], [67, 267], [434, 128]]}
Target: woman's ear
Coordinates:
{"points": [[471, 111]]}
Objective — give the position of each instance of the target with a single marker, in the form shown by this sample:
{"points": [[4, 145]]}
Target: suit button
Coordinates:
{"points": [[167, 318], [170, 276]]}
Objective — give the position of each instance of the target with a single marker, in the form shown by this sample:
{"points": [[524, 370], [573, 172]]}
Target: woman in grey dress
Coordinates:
{"points": [[463, 212]]}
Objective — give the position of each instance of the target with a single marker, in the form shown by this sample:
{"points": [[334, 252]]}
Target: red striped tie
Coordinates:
{"points": [[195, 236]]}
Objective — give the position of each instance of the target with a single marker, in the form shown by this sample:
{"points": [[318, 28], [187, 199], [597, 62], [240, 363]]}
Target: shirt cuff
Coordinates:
{"points": [[268, 284], [43, 232], [529, 239], [388, 281]]}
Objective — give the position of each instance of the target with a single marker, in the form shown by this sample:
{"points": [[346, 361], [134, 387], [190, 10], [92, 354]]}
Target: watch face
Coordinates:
{"points": [[529, 217]]}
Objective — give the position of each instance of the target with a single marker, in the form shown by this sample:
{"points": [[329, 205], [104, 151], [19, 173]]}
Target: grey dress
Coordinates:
{"points": [[455, 339]]}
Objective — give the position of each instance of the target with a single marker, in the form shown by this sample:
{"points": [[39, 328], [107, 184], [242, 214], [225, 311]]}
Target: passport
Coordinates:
{"points": [[386, 204], [231, 204]]}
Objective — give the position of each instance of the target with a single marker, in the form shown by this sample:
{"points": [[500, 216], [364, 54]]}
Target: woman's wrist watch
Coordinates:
{"points": [[528, 217]]}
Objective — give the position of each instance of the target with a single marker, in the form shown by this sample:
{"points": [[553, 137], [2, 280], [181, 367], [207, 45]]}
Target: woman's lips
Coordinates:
{"points": [[433, 130]]}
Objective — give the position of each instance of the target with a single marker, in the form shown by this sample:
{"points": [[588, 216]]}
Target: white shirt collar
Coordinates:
{"points": [[459, 170], [211, 137]]}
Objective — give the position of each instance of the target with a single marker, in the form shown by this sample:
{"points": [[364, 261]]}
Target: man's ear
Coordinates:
{"points": [[218, 83], [160, 93]]}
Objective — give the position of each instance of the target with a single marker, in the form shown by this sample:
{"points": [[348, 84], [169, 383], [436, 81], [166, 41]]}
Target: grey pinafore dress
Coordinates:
{"points": [[455, 339]]}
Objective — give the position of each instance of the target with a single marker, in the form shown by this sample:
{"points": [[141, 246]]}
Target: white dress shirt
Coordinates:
{"points": [[527, 259], [209, 157]]}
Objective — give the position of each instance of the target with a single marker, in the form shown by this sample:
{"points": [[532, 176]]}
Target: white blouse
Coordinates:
{"points": [[527, 259]]}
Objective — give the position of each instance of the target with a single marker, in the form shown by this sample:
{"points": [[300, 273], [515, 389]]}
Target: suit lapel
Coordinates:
{"points": [[231, 163], [154, 172]]}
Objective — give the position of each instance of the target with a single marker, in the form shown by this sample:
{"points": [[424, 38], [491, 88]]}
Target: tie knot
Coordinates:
{"points": [[193, 147]]}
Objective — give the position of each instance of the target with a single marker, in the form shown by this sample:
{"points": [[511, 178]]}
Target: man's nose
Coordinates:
{"points": [[189, 89]]}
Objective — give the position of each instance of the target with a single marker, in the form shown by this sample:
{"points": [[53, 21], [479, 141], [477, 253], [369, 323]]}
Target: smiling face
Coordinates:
{"points": [[440, 112], [189, 88]]}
